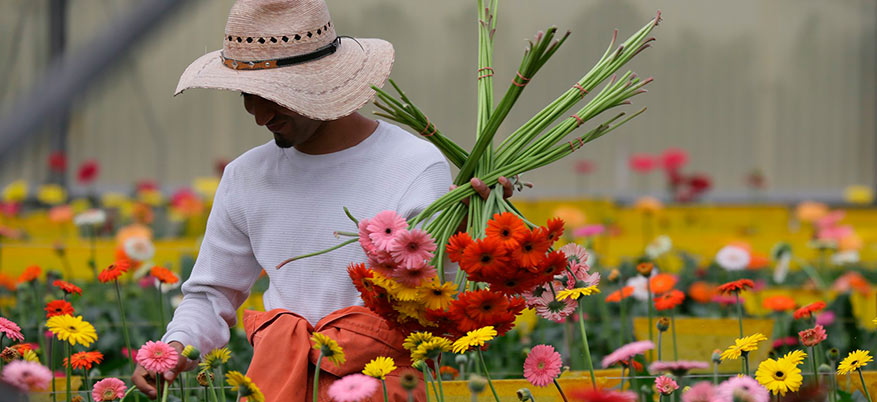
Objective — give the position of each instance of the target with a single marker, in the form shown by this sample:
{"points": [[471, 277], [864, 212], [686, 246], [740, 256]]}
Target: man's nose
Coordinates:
{"points": [[263, 113]]}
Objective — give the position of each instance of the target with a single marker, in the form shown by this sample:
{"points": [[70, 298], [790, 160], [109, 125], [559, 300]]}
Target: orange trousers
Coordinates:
{"points": [[284, 361]]}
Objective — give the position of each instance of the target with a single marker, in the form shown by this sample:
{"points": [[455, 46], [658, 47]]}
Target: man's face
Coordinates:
{"points": [[289, 128]]}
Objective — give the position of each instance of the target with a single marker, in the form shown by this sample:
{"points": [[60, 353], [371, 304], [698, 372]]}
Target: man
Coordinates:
{"points": [[286, 197]]}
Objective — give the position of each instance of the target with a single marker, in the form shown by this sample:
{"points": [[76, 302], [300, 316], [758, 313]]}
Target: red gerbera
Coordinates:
{"points": [[58, 307], [110, 274], [164, 275], [514, 281], [360, 276], [669, 300], [553, 264], [479, 306], [736, 286], [67, 287], [554, 229], [506, 227], [631, 363], [30, 274], [532, 248], [620, 294], [84, 360], [457, 245], [484, 258], [808, 310]]}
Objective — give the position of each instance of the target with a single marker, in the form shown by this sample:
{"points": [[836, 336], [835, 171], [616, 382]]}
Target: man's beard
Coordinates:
{"points": [[282, 142]]}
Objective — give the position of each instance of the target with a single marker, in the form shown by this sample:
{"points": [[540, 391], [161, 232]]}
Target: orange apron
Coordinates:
{"points": [[284, 359]]}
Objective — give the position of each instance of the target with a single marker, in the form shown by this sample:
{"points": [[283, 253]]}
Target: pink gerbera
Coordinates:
{"points": [[411, 247], [108, 389], [665, 385], [575, 253], [157, 356], [27, 376], [542, 365], [678, 368], [383, 227], [548, 307], [353, 388], [382, 263], [700, 392], [627, 351], [742, 389], [412, 276], [10, 329], [364, 240], [813, 336]]}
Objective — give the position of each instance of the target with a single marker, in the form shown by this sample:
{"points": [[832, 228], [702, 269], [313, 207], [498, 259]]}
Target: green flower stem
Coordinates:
{"points": [[621, 385], [51, 362], [864, 386], [486, 373], [222, 383], [623, 308], [660, 338], [715, 374], [130, 390], [183, 383], [438, 376], [69, 372], [335, 247], [745, 362], [87, 383], [813, 363], [92, 260], [163, 391], [673, 328], [651, 318], [585, 344], [426, 383], [383, 385], [739, 313], [124, 325], [560, 390], [317, 374], [161, 309], [213, 396]]}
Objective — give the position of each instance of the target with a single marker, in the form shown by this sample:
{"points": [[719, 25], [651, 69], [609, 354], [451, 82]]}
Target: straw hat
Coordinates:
{"points": [[287, 51]]}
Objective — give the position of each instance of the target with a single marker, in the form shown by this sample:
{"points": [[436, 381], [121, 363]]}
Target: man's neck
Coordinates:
{"points": [[340, 134]]}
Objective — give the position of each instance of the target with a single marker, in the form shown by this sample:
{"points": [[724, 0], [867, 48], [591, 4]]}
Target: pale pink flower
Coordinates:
{"points": [[27, 376], [382, 263], [413, 276], [157, 356], [677, 368], [411, 247], [665, 385], [813, 336], [383, 227], [364, 240], [733, 258], [627, 351], [108, 389], [742, 389], [549, 308], [575, 253], [10, 329], [700, 392], [542, 365], [353, 388]]}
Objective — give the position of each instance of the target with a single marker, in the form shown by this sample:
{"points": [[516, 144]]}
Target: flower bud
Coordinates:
{"points": [[477, 384], [614, 275], [825, 369], [408, 380], [645, 269], [717, 356], [9, 354], [461, 360], [524, 395], [663, 324], [419, 364], [205, 378], [191, 353], [832, 355]]}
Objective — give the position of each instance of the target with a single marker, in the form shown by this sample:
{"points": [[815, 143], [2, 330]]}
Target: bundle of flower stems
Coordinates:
{"points": [[531, 146]]}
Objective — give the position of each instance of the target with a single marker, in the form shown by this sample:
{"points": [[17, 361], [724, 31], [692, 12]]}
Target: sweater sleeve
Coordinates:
{"points": [[224, 272]]}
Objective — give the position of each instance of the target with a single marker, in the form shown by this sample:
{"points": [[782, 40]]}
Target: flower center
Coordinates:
{"points": [[505, 233], [388, 231], [109, 394], [437, 292], [485, 258], [71, 328], [541, 365], [779, 375]]}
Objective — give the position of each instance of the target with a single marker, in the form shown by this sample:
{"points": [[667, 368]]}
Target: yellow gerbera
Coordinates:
{"points": [[779, 376], [575, 293], [329, 348], [415, 339], [854, 361], [437, 295], [214, 357], [796, 357], [404, 293], [245, 385], [745, 344], [72, 329], [474, 338], [30, 356], [379, 367], [431, 348]]}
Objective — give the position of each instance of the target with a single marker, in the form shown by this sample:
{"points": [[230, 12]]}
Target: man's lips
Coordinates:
{"points": [[275, 126]]}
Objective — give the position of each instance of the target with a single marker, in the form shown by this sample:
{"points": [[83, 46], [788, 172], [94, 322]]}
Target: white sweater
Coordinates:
{"points": [[274, 203]]}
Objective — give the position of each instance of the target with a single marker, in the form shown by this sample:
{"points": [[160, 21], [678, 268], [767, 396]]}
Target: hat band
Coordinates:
{"points": [[282, 62]]}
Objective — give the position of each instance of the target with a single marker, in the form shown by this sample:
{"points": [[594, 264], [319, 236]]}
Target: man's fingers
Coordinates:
{"points": [[507, 188], [142, 383], [480, 187]]}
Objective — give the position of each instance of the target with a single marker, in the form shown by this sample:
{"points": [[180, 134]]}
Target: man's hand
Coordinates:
{"points": [[145, 380], [482, 190]]}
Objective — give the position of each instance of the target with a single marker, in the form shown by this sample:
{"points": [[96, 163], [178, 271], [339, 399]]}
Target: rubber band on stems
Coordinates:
{"points": [[579, 120], [490, 74], [582, 90], [426, 131], [524, 80]]}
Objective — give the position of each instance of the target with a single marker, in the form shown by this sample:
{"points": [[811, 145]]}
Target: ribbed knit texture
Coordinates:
{"points": [[274, 203]]}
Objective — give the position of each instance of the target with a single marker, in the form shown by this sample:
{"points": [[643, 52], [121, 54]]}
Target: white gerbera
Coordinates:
{"points": [[733, 258]]}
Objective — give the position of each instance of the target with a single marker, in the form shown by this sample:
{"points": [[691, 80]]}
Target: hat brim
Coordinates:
{"points": [[328, 88]]}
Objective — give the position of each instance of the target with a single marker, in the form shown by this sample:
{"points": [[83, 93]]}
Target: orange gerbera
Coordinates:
{"points": [[67, 287], [110, 274], [736, 286], [361, 277], [457, 244], [58, 307], [662, 283], [553, 264], [164, 275], [669, 300], [484, 258], [482, 305], [808, 310], [702, 292], [23, 348], [779, 303], [7, 282], [508, 228], [449, 371], [620, 294], [531, 250], [30, 274], [84, 360], [554, 229]]}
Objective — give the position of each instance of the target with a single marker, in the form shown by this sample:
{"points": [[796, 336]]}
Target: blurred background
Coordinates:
{"points": [[768, 100]]}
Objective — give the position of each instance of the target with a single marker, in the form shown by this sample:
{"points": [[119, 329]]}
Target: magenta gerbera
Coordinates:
{"points": [[700, 392], [542, 365], [626, 352], [665, 385], [27, 376], [10, 329], [677, 368], [411, 247], [108, 389], [743, 389], [353, 388], [412, 276], [157, 356], [383, 227]]}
